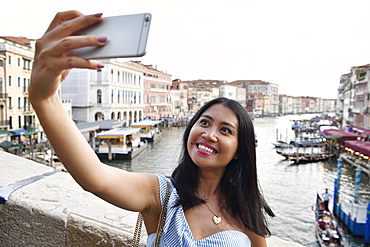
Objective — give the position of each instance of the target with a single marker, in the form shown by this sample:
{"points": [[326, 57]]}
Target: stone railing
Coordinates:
{"points": [[42, 206]]}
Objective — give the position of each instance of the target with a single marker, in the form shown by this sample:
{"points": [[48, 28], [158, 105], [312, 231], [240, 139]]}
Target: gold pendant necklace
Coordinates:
{"points": [[216, 218]]}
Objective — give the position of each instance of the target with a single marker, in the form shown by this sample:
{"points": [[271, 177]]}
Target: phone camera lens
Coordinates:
{"points": [[147, 19]]}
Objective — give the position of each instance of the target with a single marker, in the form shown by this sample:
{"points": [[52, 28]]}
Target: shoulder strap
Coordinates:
{"points": [[162, 220], [162, 217]]}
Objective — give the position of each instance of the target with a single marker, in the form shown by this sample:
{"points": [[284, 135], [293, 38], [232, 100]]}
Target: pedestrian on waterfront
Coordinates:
{"points": [[326, 195], [215, 199]]}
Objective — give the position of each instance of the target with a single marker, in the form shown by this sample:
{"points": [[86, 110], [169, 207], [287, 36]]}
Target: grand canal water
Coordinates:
{"points": [[289, 189]]}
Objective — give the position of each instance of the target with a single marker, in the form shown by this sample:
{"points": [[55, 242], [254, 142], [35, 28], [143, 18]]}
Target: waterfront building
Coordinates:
{"points": [[3, 95], [361, 103], [201, 91], [261, 104], [328, 105], [309, 104], [264, 88], [285, 104], [179, 97], [352, 100], [16, 63], [115, 92], [233, 92], [157, 86]]}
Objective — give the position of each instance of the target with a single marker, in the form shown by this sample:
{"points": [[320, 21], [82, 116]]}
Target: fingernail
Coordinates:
{"points": [[100, 66], [98, 15], [102, 39]]}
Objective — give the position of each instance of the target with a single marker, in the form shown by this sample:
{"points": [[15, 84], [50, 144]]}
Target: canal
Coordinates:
{"points": [[289, 189]]}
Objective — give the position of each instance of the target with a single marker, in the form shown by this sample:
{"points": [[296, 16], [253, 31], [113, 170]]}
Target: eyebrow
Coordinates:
{"points": [[224, 123]]}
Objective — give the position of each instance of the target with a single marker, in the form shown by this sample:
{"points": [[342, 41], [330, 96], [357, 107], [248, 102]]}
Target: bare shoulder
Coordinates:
{"points": [[257, 240]]}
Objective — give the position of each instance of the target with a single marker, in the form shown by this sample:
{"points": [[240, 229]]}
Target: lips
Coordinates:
{"points": [[206, 149]]}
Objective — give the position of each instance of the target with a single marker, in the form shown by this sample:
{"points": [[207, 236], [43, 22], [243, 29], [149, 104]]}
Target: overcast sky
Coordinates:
{"points": [[303, 46]]}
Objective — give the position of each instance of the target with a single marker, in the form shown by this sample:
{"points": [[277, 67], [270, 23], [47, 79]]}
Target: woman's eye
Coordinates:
{"points": [[226, 130], [204, 122]]}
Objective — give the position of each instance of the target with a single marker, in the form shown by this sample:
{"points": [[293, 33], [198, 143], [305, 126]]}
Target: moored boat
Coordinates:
{"points": [[299, 158], [282, 144], [118, 143], [149, 129], [328, 232]]}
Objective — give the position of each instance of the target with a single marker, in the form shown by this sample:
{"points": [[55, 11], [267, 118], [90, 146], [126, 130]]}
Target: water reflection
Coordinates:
{"points": [[289, 189]]}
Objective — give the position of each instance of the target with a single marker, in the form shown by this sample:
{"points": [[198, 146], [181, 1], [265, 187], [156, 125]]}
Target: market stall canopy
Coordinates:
{"points": [[4, 133], [345, 135], [32, 133], [7, 145], [359, 146], [19, 132], [333, 137], [361, 131]]}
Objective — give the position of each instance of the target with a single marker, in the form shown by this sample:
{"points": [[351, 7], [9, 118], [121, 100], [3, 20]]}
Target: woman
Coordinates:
{"points": [[215, 199]]}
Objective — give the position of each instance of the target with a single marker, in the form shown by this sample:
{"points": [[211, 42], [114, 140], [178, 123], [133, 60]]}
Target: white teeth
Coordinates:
{"points": [[206, 149]]}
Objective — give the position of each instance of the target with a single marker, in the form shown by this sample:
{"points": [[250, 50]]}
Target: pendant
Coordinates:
{"points": [[216, 219]]}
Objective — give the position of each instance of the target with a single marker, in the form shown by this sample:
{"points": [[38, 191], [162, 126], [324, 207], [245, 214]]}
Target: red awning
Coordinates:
{"points": [[361, 131], [345, 135], [359, 146]]}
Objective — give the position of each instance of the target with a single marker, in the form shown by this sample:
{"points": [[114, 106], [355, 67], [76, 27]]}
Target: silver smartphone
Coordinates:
{"points": [[127, 37]]}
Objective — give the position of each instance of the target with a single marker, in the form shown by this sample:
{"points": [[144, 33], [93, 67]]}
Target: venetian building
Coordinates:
{"points": [[3, 95], [179, 97], [16, 113], [115, 92], [157, 91]]}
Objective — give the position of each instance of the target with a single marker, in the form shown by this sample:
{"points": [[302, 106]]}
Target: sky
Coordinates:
{"points": [[302, 46]]}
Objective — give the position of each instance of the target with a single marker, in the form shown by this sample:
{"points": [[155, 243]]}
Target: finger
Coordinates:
{"points": [[62, 17], [66, 63], [71, 26], [73, 42]]}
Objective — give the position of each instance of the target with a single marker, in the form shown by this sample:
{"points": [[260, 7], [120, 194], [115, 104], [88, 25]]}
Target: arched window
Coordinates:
{"points": [[99, 116], [98, 96]]}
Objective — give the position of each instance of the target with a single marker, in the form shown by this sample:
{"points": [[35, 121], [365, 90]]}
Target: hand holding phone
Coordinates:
{"points": [[127, 37]]}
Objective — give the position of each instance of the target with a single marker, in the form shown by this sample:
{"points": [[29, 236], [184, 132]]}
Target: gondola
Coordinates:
{"points": [[300, 158], [328, 232]]}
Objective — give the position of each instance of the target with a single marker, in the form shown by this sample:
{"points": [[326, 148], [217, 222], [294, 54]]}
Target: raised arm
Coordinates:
{"points": [[51, 66]]}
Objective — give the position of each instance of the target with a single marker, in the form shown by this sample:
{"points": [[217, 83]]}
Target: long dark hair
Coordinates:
{"points": [[241, 196]]}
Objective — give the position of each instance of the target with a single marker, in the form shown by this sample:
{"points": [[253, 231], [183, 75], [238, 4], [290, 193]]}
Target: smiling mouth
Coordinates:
{"points": [[206, 149]]}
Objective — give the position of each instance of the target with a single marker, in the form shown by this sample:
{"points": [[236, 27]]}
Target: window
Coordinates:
{"points": [[19, 62], [25, 104], [26, 64], [99, 76], [25, 85], [19, 102], [9, 60], [10, 102], [98, 96], [11, 122], [10, 81], [19, 82], [19, 121]]}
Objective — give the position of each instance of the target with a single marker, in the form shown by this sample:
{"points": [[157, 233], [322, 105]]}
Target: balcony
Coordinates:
{"points": [[158, 90], [27, 110], [159, 104]]}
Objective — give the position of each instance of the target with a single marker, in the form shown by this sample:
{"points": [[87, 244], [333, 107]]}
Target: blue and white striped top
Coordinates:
{"points": [[176, 231]]}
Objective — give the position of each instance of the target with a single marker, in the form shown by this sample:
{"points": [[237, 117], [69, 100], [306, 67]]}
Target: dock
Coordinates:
{"points": [[354, 215]]}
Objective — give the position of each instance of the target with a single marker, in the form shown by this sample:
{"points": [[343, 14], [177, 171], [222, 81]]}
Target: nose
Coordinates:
{"points": [[210, 135]]}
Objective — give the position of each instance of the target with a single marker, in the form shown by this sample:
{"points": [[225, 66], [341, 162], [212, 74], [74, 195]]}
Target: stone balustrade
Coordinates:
{"points": [[41, 206]]}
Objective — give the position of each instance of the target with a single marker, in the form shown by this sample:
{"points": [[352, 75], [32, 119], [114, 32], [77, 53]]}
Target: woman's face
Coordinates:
{"points": [[213, 140]]}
